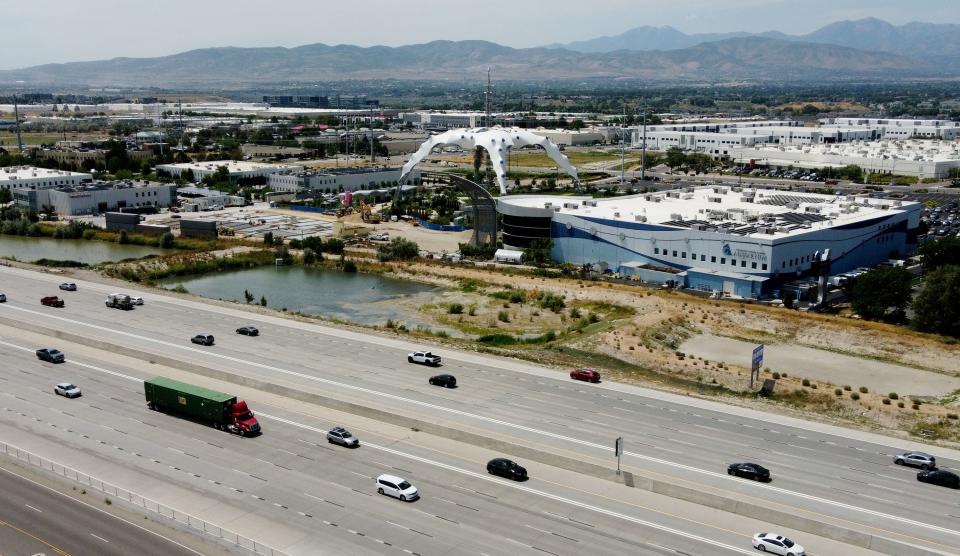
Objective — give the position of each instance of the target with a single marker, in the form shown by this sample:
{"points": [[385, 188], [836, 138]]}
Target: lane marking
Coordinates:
{"points": [[56, 549], [99, 537], [38, 510]]}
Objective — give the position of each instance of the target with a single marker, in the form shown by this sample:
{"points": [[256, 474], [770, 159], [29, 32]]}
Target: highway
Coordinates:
{"points": [[835, 475], [36, 519]]}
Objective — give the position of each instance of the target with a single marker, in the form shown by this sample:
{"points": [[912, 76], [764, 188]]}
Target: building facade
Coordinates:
{"points": [[15, 178], [99, 197], [338, 180], [235, 169]]}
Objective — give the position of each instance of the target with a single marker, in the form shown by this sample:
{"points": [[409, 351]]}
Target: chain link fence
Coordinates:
{"points": [[192, 522]]}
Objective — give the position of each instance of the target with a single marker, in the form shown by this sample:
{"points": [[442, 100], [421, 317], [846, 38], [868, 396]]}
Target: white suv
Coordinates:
{"points": [[424, 358], [397, 487], [67, 390], [777, 544]]}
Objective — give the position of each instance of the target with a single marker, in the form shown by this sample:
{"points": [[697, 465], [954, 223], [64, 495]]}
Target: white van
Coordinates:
{"points": [[397, 487]]}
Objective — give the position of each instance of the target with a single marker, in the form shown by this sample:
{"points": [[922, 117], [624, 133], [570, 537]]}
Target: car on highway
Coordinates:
{"points": [[67, 390], [248, 331], [922, 460], [68, 287], [341, 436], [588, 375], [3, 298], [447, 381], [51, 355], [777, 544], [424, 358], [939, 477], [203, 339], [398, 487], [52, 301], [136, 300], [749, 471], [506, 468]]}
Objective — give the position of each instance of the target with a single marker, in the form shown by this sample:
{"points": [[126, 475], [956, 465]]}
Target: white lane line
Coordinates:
{"points": [[38, 510], [99, 538], [604, 447], [526, 489]]}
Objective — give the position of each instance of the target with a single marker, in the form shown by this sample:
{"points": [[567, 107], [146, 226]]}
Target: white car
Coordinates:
{"points": [[777, 544], [67, 389], [424, 358], [397, 487], [136, 300]]}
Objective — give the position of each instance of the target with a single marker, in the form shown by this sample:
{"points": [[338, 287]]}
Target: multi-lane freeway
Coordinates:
{"points": [[290, 489]]}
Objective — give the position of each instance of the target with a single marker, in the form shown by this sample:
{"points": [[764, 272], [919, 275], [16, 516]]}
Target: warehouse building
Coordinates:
{"points": [[338, 180], [16, 178], [900, 128], [98, 197], [235, 169], [742, 242]]}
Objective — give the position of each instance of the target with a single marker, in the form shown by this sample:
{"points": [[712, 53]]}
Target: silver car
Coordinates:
{"points": [[341, 436], [67, 389], [916, 459]]}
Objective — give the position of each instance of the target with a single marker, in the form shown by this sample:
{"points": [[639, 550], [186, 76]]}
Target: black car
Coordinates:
{"points": [[447, 381], [506, 468], [749, 471], [203, 339], [939, 477], [51, 355], [248, 331]]}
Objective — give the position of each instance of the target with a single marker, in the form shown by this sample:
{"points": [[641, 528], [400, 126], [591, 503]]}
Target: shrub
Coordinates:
{"points": [[123, 237], [575, 313], [593, 318], [893, 395], [863, 390], [784, 375], [268, 238], [838, 392], [455, 309], [503, 316], [806, 382], [399, 249], [166, 240], [813, 386], [349, 266], [916, 407], [952, 416], [854, 396], [517, 297], [263, 301], [309, 256], [472, 311], [900, 405], [776, 376], [497, 339], [886, 401], [847, 387], [553, 302]]}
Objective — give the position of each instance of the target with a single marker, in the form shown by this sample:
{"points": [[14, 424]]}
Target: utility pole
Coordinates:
{"points": [[16, 117], [623, 131], [486, 95], [643, 148], [372, 155]]}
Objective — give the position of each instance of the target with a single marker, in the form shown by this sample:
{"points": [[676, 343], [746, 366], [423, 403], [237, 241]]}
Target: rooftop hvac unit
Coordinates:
{"points": [[589, 203], [793, 205], [736, 189], [676, 216], [715, 199], [648, 197], [675, 194], [700, 227], [746, 199], [616, 215], [640, 218], [547, 205], [570, 205], [812, 209], [687, 196]]}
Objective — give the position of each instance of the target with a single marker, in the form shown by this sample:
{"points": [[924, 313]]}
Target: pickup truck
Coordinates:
{"points": [[52, 301], [424, 358]]}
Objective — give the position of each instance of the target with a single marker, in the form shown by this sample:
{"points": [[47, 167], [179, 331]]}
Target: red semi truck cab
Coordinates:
{"points": [[242, 419]]}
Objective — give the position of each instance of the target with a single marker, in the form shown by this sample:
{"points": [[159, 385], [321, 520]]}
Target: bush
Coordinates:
{"points": [[472, 311], [553, 302], [349, 266], [309, 256], [593, 318], [268, 238], [916, 407], [900, 405], [806, 382], [575, 313], [813, 386], [123, 237], [952, 416], [838, 392], [854, 396], [863, 390], [503, 316], [776, 376], [455, 309], [886, 401], [847, 387], [166, 240], [517, 297], [893, 395], [398, 249], [497, 339]]}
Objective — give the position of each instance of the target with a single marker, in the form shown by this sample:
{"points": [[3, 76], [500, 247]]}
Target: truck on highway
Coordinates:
{"points": [[222, 411], [119, 301]]}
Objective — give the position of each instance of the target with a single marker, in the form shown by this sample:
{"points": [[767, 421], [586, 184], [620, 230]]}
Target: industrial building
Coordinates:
{"points": [[900, 128], [194, 199], [98, 197], [572, 138], [742, 242], [444, 120], [16, 178], [337, 180], [235, 169]]}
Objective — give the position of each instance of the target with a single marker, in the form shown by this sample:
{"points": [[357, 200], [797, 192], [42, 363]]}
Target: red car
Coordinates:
{"points": [[589, 375], [52, 301]]}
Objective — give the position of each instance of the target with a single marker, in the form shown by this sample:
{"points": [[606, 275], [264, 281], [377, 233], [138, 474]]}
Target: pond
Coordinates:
{"points": [[29, 249], [365, 299]]}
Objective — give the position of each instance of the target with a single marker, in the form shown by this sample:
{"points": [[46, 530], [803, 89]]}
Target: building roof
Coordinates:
{"points": [[107, 185], [12, 173], [725, 274], [759, 213], [233, 166]]}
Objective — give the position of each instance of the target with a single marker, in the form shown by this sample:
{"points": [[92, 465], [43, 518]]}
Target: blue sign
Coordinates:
{"points": [[726, 250], [757, 358]]}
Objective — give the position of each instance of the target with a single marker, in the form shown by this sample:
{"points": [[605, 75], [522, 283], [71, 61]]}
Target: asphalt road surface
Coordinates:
{"points": [[290, 476]]}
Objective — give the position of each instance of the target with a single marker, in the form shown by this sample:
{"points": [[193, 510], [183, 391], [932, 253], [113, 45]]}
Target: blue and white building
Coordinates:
{"points": [[742, 242]]}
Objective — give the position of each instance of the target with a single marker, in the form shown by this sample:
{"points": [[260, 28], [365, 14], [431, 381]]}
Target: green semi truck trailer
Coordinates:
{"points": [[217, 409]]}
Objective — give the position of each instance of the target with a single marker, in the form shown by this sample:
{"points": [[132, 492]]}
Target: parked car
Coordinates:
{"points": [[588, 375], [136, 300], [203, 339], [749, 471], [3, 298], [447, 381], [68, 286], [52, 301], [51, 355], [939, 477], [922, 460], [424, 358], [341, 436], [248, 331], [777, 544], [506, 468], [391, 485], [67, 389]]}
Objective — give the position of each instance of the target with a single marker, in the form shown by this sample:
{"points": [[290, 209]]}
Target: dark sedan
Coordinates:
{"points": [[749, 471], [248, 331], [447, 381], [507, 468], [939, 477]]}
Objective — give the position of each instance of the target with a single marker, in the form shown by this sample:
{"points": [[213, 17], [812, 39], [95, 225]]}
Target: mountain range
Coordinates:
{"points": [[932, 42], [909, 51]]}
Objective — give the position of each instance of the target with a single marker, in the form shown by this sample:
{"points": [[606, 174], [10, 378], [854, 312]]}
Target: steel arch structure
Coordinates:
{"points": [[483, 205]]}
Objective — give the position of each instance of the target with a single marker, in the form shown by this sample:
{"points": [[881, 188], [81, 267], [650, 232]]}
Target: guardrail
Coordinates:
{"points": [[192, 522]]}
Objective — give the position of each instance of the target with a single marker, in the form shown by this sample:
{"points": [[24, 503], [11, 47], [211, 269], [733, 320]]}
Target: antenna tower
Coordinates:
{"points": [[486, 95]]}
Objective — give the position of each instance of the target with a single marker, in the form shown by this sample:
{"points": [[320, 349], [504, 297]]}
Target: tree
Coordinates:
{"points": [[166, 240], [675, 157], [398, 249], [309, 256], [263, 301], [123, 237], [248, 296], [877, 292], [5, 196], [940, 252], [539, 251], [268, 238], [937, 307]]}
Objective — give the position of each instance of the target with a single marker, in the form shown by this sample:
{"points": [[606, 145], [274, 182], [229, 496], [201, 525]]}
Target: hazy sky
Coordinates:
{"points": [[66, 31]]}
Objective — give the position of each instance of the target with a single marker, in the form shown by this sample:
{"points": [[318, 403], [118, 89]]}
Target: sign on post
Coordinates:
{"points": [[618, 451], [756, 363]]}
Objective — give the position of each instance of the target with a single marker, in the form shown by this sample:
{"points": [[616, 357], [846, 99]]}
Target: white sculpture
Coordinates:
{"points": [[496, 140]]}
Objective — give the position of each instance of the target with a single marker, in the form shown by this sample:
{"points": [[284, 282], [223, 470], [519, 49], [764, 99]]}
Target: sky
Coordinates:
{"points": [[52, 31]]}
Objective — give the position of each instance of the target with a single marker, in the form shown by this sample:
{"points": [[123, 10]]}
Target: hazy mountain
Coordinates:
{"points": [[930, 41], [742, 58]]}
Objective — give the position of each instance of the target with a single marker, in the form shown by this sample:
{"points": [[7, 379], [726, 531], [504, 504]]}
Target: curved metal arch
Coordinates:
{"points": [[483, 204], [496, 140]]}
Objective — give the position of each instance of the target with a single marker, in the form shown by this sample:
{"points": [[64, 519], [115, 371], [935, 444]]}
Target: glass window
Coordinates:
{"points": [[713, 258], [743, 264], [674, 253], [733, 262], [763, 266], [723, 260], [683, 255], [656, 250], [703, 257]]}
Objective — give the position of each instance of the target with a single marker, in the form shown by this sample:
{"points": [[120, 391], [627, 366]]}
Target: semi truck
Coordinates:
{"points": [[119, 301], [222, 411]]}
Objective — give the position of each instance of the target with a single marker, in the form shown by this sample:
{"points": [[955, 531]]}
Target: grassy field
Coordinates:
{"points": [[540, 159], [9, 139]]}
